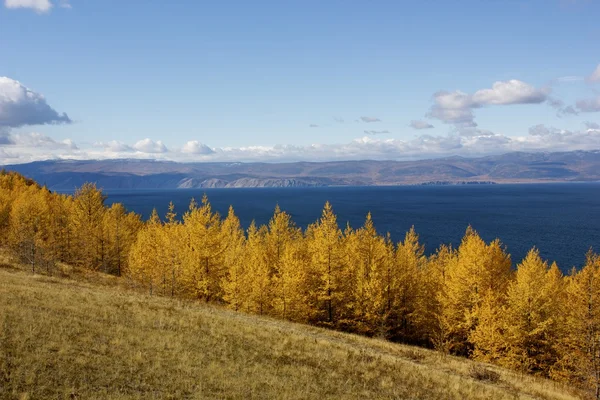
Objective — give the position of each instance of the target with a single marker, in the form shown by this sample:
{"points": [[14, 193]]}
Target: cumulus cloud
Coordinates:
{"points": [[150, 146], [376, 132], [589, 105], [38, 140], [510, 92], [457, 107], [195, 147], [419, 124], [20, 106], [40, 6], [477, 142], [595, 76], [370, 119]]}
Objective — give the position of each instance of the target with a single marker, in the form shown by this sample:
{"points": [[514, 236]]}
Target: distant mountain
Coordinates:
{"points": [[150, 174]]}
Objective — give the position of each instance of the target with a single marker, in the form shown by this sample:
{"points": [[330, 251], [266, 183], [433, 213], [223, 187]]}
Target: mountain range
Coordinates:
{"points": [[516, 167]]}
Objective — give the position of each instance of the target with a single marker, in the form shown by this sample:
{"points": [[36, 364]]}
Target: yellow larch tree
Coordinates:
{"points": [[28, 232], [145, 263], [281, 233], [258, 279], [171, 239], [409, 264], [324, 240], [120, 230], [235, 279], [86, 226], [579, 344], [203, 271], [529, 326], [429, 306], [291, 282], [367, 258], [476, 269]]}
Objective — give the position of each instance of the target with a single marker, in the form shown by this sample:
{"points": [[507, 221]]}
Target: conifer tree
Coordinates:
{"points": [[172, 242], [235, 280], [279, 236], [324, 239], [291, 283], [86, 226], [429, 307], [579, 346], [259, 278], [410, 261], [145, 264], [29, 227], [120, 230], [529, 319], [203, 271], [476, 269], [367, 258]]}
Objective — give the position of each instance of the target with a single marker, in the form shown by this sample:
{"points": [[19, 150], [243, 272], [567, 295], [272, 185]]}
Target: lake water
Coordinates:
{"points": [[562, 220]]}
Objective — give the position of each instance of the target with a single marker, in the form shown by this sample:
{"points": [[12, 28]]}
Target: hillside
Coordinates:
{"points": [[87, 336], [136, 174]]}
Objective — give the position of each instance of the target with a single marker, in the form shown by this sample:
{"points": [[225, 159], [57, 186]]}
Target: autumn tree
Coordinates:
{"points": [[280, 235], [203, 270], [234, 284], [28, 233], [324, 239], [530, 317], [145, 264], [579, 346], [367, 258], [87, 215], [120, 231], [259, 293], [478, 268], [409, 264]]}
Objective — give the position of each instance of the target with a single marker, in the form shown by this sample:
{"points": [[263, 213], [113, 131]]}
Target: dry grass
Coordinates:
{"points": [[67, 339]]}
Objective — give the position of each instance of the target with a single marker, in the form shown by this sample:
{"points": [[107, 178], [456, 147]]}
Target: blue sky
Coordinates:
{"points": [[291, 80]]}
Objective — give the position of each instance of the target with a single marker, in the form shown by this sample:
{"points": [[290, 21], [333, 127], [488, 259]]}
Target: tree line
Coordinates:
{"points": [[466, 301]]}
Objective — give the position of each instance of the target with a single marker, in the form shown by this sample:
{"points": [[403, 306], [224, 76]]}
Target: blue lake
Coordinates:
{"points": [[562, 220]]}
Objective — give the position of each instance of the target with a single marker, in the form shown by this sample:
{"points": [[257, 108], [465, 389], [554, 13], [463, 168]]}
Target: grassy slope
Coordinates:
{"points": [[64, 338]]}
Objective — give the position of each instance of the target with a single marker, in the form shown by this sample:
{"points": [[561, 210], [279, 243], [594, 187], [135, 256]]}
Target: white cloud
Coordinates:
{"points": [[40, 6], [21, 106], [457, 107], [195, 147], [150, 146], [370, 119], [510, 92], [595, 76], [419, 124], [468, 142], [38, 140]]}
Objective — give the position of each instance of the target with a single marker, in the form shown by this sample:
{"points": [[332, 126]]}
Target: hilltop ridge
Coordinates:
{"points": [[517, 167]]}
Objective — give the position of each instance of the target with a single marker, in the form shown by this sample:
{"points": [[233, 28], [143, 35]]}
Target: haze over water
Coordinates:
{"points": [[562, 220]]}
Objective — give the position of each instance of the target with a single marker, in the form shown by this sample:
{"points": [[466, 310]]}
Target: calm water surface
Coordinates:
{"points": [[562, 220]]}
